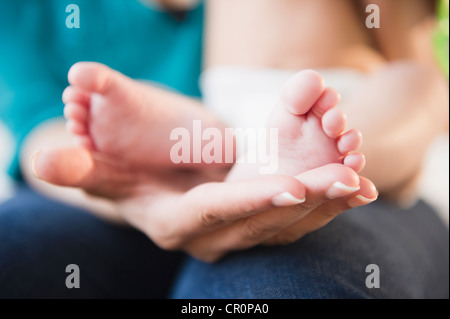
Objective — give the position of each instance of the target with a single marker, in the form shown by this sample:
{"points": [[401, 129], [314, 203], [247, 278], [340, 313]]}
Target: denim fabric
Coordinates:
{"points": [[39, 238], [410, 247]]}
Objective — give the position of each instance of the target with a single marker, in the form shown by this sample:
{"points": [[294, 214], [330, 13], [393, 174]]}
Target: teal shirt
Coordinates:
{"points": [[37, 50]]}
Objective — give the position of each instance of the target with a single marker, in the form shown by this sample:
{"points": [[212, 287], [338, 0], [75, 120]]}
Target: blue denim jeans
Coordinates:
{"points": [[40, 237]]}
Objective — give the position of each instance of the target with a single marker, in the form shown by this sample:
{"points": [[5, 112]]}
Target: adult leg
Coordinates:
{"points": [[410, 247], [40, 237]]}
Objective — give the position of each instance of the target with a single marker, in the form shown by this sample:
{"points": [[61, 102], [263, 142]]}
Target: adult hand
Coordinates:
{"points": [[196, 213]]}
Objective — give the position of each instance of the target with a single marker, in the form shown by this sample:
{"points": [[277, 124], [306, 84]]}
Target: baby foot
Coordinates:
{"points": [[125, 119], [113, 114], [310, 130]]}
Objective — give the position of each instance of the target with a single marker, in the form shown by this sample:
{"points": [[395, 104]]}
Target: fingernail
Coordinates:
{"points": [[287, 199], [33, 163], [365, 199], [339, 189], [356, 201]]}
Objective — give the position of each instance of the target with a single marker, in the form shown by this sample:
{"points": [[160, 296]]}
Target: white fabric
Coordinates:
{"points": [[244, 97]]}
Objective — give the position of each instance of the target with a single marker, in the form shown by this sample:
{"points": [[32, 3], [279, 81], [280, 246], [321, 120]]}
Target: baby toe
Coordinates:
{"points": [[75, 94], [355, 161], [329, 99], [75, 111], [350, 141], [302, 91], [76, 127], [333, 122], [84, 141]]}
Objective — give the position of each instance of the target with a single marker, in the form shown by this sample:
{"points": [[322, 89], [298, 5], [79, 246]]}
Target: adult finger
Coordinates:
{"points": [[171, 219], [78, 167], [326, 212], [322, 184]]}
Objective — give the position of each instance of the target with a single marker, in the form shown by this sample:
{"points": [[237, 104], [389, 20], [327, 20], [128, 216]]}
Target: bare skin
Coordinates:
{"points": [[216, 217], [398, 57], [112, 114], [310, 130], [141, 195], [129, 122], [352, 48]]}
